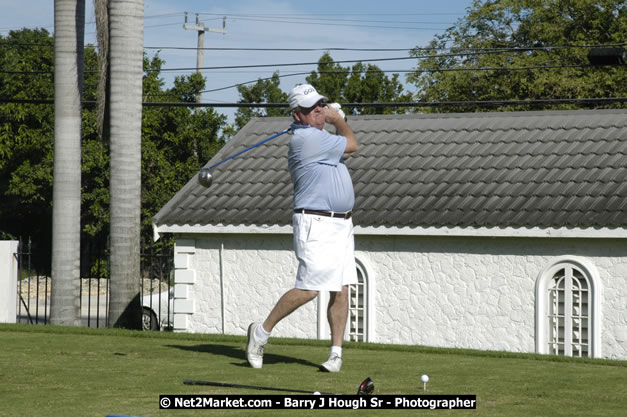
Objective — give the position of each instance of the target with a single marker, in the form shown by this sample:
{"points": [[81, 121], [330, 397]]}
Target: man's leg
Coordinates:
{"points": [[258, 333], [286, 305], [337, 314]]}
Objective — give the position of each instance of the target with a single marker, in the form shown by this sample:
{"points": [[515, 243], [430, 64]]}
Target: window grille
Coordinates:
{"points": [[357, 305], [568, 313]]}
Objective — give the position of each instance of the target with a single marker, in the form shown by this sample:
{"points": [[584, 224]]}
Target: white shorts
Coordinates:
{"points": [[325, 249]]}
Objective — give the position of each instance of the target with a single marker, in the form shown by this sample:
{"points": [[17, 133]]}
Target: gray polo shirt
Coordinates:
{"points": [[320, 177]]}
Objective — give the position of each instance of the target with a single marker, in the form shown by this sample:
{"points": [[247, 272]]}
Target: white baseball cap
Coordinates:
{"points": [[305, 96]]}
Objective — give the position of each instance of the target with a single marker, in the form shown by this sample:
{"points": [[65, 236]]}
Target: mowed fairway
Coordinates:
{"points": [[57, 371]]}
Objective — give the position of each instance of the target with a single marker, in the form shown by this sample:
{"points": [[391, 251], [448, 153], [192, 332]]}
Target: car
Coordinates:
{"points": [[158, 310]]}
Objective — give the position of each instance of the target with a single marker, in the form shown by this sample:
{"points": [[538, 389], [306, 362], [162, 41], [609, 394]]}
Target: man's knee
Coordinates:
{"points": [[307, 294], [339, 294]]}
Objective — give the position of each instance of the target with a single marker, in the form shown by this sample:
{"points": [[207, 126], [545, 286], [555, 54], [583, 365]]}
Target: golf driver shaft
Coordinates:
{"points": [[249, 148]]}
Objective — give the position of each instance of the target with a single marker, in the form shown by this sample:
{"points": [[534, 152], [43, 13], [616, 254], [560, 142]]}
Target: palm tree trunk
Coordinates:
{"points": [[126, 70], [69, 28], [101, 9]]}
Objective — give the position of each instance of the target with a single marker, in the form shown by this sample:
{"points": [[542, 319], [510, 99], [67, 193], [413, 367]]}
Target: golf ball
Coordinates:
{"points": [[424, 378], [316, 393]]}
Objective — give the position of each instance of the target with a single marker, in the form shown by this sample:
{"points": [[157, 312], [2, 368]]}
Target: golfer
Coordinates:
{"points": [[323, 228]]}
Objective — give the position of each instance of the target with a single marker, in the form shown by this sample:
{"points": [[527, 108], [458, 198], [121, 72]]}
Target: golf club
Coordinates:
{"points": [[205, 178], [365, 388]]}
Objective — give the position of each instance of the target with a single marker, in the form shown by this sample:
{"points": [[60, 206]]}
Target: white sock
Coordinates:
{"points": [[261, 334], [337, 350]]}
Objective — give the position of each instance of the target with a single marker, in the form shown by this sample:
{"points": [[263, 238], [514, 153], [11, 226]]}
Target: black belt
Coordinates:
{"points": [[346, 215]]}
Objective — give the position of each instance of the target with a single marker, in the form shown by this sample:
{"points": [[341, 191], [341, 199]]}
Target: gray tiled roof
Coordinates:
{"points": [[525, 169]]}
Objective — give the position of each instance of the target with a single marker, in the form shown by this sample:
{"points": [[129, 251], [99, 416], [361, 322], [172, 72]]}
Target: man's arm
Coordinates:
{"points": [[342, 129]]}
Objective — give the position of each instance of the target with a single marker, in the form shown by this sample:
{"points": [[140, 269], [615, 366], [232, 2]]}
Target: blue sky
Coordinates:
{"points": [[268, 24]]}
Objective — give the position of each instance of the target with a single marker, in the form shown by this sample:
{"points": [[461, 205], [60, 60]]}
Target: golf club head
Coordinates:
{"points": [[205, 178], [366, 387]]}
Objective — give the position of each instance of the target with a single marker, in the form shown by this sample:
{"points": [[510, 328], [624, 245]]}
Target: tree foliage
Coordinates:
{"points": [[26, 136], [263, 91], [357, 84], [176, 142], [360, 83], [544, 33]]}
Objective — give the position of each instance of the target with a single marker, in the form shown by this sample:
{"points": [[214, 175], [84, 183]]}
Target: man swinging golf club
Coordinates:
{"points": [[323, 228]]}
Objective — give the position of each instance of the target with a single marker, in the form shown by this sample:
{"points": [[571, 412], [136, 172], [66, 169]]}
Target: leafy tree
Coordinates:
{"points": [[26, 137], [358, 84], [176, 142], [330, 79], [368, 84], [544, 33], [263, 91]]}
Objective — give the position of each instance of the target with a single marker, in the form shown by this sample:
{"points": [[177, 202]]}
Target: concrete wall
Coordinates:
{"points": [[461, 292], [8, 281]]}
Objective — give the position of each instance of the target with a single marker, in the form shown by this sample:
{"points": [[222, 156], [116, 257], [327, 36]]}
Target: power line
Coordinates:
{"points": [[446, 55], [457, 50], [324, 20], [462, 53], [490, 103], [93, 22], [309, 15], [485, 103], [410, 71], [319, 16], [284, 64], [282, 49], [348, 71], [288, 22], [310, 18], [546, 48], [336, 62]]}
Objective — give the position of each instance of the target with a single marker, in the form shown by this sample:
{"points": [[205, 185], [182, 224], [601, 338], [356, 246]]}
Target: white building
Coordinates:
{"points": [[494, 231]]}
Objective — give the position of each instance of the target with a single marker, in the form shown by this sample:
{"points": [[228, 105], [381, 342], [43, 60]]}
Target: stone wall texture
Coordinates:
{"points": [[461, 292]]}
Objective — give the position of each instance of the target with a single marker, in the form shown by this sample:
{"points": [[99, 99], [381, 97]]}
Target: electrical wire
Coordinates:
{"points": [[348, 71], [547, 48], [485, 103], [281, 16], [446, 55], [411, 71], [191, 48], [300, 23], [280, 65]]}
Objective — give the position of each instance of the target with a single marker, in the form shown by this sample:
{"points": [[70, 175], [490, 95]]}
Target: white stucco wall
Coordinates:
{"points": [[8, 281], [461, 292], [256, 270]]}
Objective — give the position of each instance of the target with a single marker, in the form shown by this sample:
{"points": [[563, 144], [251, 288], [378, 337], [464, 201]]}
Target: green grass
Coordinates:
{"points": [[60, 371]]}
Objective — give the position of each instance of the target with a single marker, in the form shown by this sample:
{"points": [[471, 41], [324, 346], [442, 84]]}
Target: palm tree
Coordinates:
{"points": [[69, 30], [126, 24]]}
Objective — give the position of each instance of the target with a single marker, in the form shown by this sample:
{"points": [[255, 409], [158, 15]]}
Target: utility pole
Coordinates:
{"points": [[200, 27]]}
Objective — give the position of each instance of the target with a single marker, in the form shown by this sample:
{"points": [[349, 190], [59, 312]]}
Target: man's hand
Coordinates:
{"points": [[342, 128], [337, 107], [332, 115]]}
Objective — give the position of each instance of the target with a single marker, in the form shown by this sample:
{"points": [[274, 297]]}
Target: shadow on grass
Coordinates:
{"points": [[238, 353]]}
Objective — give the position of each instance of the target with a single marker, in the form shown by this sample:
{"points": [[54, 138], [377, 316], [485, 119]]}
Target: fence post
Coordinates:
{"points": [[8, 281]]}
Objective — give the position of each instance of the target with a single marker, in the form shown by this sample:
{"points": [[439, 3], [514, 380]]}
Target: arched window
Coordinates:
{"points": [[360, 325], [357, 309], [568, 309]]}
